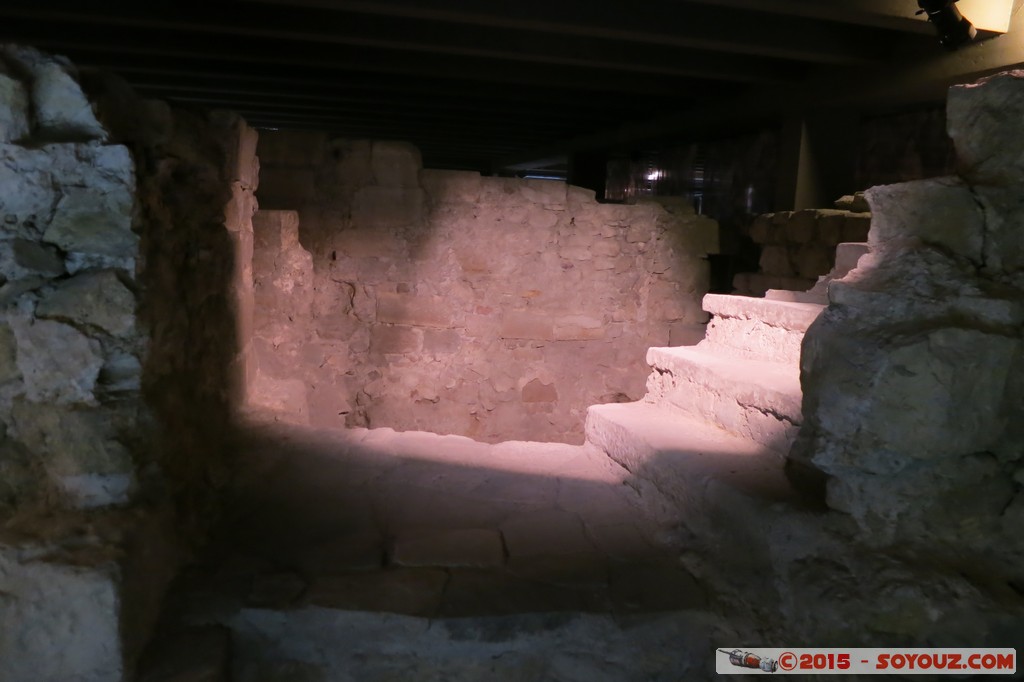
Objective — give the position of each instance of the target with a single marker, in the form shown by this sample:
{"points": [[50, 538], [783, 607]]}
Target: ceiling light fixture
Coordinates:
{"points": [[954, 29]]}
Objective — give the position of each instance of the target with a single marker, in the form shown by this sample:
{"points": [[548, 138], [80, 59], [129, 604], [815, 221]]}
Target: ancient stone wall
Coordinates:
{"points": [[797, 247], [74, 430], [913, 376], [495, 308], [118, 307]]}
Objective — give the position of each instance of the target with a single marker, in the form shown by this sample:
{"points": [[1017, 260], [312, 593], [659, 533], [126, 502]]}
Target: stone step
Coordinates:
{"points": [[682, 456], [754, 399], [758, 328], [848, 254]]}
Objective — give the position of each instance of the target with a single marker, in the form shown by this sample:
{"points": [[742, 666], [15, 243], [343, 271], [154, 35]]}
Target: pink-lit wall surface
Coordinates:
{"points": [[496, 308]]}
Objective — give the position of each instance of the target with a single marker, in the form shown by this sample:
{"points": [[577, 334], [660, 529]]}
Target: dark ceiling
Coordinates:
{"points": [[479, 84]]}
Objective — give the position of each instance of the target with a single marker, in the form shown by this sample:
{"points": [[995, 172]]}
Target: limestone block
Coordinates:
{"points": [[775, 261], [543, 219], [802, 226], [287, 397], [441, 341], [579, 328], [525, 324], [60, 108], [59, 363], [241, 164], [60, 622], [780, 218], [444, 186], [8, 355], [92, 299], [121, 372], [74, 443], [576, 253], [382, 207], [668, 301], [395, 164], [942, 212], [388, 339], [94, 222], [27, 193], [832, 226], [938, 397], [812, 261], [416, 311], [550, 194], [368, 243], [983, 120], [1003, 209], [14, 112], [29, 257], [857, 227], [860, 203], [761, 228], [535, 391]]}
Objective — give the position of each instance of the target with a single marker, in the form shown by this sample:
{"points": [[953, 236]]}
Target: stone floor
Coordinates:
{"points": [[379, 531], [428, 525]]}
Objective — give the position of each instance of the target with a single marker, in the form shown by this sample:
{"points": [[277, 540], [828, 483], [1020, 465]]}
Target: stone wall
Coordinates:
{"points": [[913, 376], [118, 306], [74, 429], [798, 247], [495, 308]]}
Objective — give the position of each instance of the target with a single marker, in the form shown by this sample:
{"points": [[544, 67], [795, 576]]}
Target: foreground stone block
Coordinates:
{"points": [[94, 222], [59, 363], [61, 110], [80, 452], [14, 116], [92, 299], [942, 212], [59, 622], [983, 120]]}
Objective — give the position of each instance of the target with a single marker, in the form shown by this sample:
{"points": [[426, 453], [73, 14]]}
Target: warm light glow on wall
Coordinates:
{"points": [[988, 15]]}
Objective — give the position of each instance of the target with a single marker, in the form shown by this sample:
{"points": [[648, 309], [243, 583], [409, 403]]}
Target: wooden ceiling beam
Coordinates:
{"points": [[291, 28], [661, 22], [124, 46]]}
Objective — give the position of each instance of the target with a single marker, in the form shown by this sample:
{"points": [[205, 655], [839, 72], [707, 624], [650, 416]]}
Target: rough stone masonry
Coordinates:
{"points": [[496, 308], [913, 376], [120, 221]]}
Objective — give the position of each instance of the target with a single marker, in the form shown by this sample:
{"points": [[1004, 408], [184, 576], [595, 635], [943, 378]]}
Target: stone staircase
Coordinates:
{"points": [[379, 555], [725, 411]]}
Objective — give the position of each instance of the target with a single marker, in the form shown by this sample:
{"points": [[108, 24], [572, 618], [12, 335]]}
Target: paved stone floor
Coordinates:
{"points": [[427, 525], [339, 533]]}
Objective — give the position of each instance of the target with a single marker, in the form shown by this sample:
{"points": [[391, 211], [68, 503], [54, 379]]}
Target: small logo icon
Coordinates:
{"points": [[743, 659]]}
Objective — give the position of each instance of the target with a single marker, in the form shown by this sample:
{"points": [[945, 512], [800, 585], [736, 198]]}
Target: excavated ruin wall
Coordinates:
{"points": [[798, 247], [495, 308], [914, 374], [117, 342]]}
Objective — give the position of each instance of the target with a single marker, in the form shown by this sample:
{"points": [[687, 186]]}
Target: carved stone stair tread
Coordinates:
{"points": [[682, 455], [788, 315], [755, 399]]}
